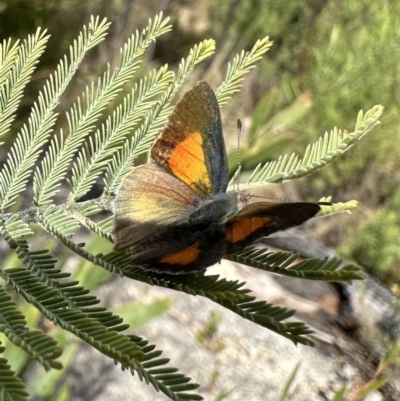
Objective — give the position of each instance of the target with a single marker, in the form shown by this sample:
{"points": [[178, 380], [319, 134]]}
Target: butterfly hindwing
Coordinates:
{"points": [[261, 219], [185, 248], [150, 200]]}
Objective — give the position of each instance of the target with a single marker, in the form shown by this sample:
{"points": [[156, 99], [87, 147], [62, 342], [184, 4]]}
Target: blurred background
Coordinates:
{"points": [[329, 60]]}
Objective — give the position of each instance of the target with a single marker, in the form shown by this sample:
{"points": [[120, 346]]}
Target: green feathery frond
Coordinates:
{"points": [[106, 225], [334, 208], [317, 154], [285, 263], [119, 167], [102, 228], [12, 388], [17, 65], [60, 219], [64, 223], [39, 346], [112, 135], [75, 309], [76, 297], [30, 140], [44, 220], [93, 159], [240, 66], [27, 146], [232, 296], [81, 211], [15, 232], [81, 119], [95, 227], [165, 379], [144, 135], [106, 339], [77, 215], [89, 208], [76, 312], [8, 54]]}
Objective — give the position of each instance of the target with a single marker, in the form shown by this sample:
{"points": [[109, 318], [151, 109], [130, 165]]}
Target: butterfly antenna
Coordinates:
{"points": [[239, 131]]}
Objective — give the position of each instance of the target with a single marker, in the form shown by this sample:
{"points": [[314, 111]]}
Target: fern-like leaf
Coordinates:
{"points": [[46, 224], [317, 155], [106, 340], [42, 265], [36, 344], [57, 158], [77, 311], [30, 140], [8, 55], [17, 65], [240, 66], [12, 388], [94, 158], [26, 147], [135, 107], [15, 233], [334, 208], [112, 135], [285, 263], [166, 379], [232, 296]]}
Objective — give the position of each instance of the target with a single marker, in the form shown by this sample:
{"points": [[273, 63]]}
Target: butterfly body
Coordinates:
{"points": [[174, 213]]}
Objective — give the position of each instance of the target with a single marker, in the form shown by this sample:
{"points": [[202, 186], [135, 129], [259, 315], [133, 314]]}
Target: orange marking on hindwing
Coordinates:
{"points": [[243, 227], [183, 257]]}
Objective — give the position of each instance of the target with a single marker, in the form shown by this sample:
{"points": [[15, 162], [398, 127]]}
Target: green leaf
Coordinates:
{"points": [[96, 155], [12, 388], [27, 146], [340, 394], [317, 155], [232, 296], [311, 269], [289, 382], [240, 66]]}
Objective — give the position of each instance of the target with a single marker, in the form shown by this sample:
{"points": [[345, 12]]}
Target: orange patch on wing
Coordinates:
{"points": [[187, 161], [183, 257], [243, 227]]}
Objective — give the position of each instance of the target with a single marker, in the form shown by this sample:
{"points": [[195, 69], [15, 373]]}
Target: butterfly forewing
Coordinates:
{"points": [[191, 146]]}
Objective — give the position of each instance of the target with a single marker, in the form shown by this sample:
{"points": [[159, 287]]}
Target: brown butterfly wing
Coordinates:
{"points": [[147, 203], [152, 219], [261, 219], [181, 249], [191, 146]]}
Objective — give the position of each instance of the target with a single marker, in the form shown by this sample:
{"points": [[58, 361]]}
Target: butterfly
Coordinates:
{"points": [[174, 213]]}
